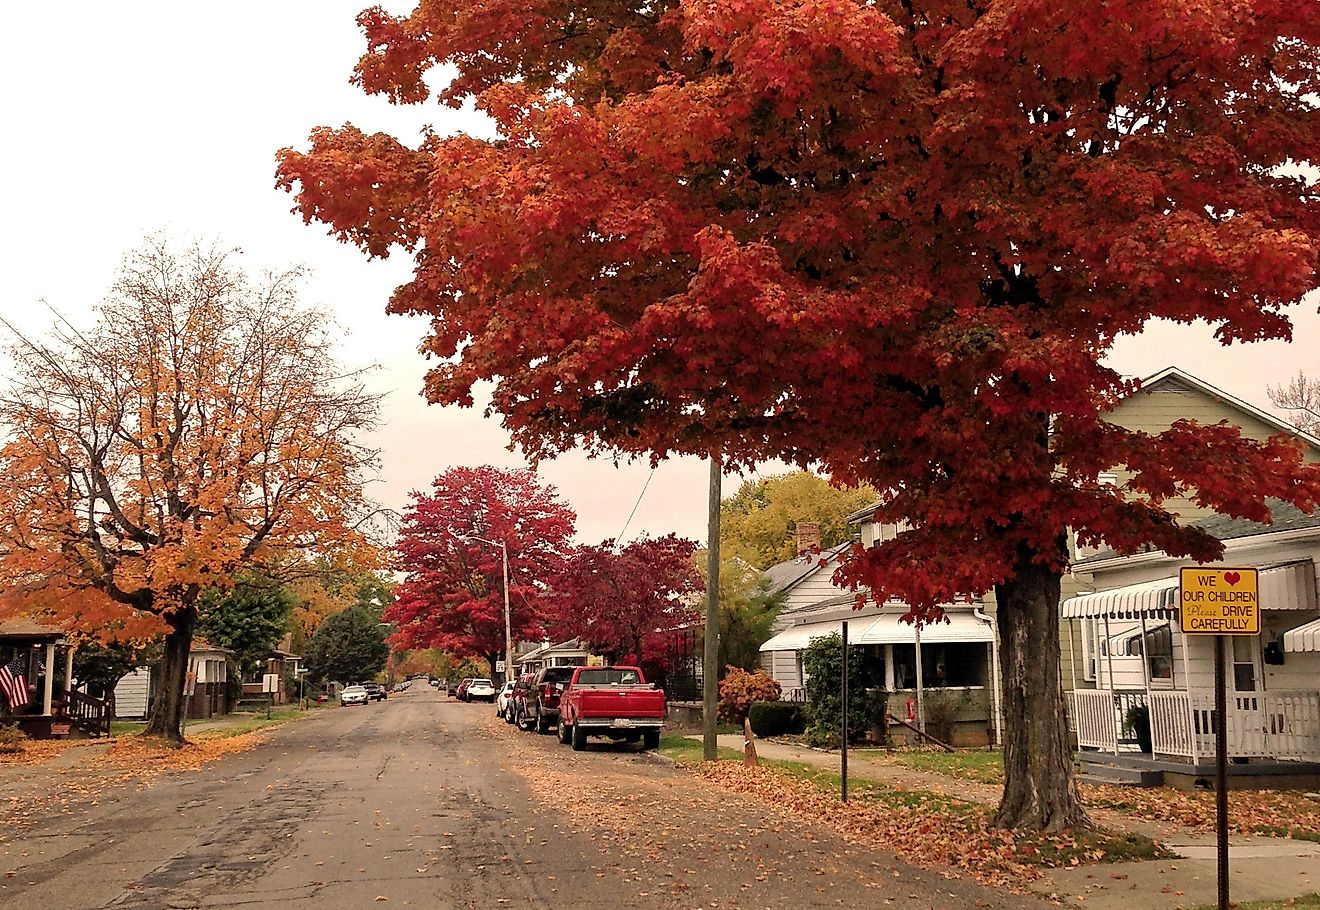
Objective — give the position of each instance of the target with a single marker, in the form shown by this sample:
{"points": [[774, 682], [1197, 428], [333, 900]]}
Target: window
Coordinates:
{"points": [[1244, 663], [1159, 652]]}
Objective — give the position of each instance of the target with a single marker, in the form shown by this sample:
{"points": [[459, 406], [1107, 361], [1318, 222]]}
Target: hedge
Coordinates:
{"points": [[775, 718]]}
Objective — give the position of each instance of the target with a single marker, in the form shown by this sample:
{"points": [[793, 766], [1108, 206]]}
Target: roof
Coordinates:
{"points": [[862, 515], [201, 644], [790, 573], [1287, 517], [21, 627]]}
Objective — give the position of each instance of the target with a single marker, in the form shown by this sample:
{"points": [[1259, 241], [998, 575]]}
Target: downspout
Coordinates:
{"points": [[995, 694]]}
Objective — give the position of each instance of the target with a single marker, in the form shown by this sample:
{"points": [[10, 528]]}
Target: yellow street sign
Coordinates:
{"points": [[1218, 601]]}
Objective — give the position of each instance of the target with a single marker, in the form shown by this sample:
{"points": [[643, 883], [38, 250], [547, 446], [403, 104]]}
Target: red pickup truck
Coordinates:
{"points": [[616, 702]]}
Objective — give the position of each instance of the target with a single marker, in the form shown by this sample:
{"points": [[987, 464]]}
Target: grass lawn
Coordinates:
{"points": [[221, 726], [983, 765], [1303, 902], [680, 748]]}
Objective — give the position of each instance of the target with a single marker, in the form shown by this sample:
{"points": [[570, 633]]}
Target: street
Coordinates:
{"points": [[424, 802]]}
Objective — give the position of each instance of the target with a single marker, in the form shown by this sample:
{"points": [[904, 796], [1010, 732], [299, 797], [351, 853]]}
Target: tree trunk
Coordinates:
{"points": [[166, 719], [1039, 790]]}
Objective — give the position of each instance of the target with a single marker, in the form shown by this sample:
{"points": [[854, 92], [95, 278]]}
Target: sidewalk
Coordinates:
{"points": [[1260, 868]]}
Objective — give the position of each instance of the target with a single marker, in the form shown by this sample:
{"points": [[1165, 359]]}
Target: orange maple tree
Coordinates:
{"points": [[892, 238], [200, 425]]}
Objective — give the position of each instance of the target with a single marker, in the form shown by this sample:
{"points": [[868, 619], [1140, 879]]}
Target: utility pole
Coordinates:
{"points": [[711, 656], [508, 623]]}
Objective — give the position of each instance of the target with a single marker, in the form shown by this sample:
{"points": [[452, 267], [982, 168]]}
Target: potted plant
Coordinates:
{"points": [[1137, 722]]}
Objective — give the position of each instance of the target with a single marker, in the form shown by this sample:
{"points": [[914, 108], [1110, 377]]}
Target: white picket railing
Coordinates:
{"points": [[1281, 725]]}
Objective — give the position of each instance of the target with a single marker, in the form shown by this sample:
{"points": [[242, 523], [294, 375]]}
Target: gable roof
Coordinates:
{"points": [[1174, 379], [790, 573]]}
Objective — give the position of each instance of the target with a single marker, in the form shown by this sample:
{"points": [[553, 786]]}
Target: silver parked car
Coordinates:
{"points": [[353, 695]]}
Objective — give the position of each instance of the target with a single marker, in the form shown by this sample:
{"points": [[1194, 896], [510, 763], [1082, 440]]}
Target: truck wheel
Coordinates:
{"points": [[579, 738], [563, 732], [650, 740], [542, 723]]}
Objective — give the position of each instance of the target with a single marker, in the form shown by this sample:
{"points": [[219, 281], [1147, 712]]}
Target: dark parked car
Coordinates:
{"points": [[375, 691], [452, 687], [522, 690], [540, 707]]}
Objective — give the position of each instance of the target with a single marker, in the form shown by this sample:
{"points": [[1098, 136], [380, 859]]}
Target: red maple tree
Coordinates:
{"points": [[626, 602], [453, 595], [893, 238]]}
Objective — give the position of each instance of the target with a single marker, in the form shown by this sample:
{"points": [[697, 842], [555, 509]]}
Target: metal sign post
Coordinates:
{"points": [[1221, 603], [843, 754]]}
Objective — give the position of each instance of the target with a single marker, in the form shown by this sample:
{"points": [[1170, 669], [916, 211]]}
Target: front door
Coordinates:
{"points": [[1247, 723]]}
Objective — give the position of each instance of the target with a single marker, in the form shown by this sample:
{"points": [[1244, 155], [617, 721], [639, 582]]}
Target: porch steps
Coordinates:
{"points": [[1119, 775]]}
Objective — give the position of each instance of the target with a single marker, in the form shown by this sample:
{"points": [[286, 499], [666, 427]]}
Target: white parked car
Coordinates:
{"points": [[353, 695], [479, 690], [502, 700]]}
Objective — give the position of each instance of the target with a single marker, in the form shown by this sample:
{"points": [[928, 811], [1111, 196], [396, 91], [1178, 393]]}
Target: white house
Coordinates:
{"points": [[1135, 656]]}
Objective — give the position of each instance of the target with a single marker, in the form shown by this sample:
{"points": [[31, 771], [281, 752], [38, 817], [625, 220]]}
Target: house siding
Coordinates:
{"points": [[132, 694]]}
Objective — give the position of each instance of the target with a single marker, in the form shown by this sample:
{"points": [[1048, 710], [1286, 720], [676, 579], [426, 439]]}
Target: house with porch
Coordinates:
{"points": [[953, 661], [36, 684], [1145, 697], [1142, 698]]}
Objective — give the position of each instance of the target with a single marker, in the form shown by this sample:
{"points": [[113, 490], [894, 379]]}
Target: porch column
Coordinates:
{"points": [[1109, 662], [994, 692], [48, 691], [921, 682], [68, 671], [1191, 711], [889, 668]]}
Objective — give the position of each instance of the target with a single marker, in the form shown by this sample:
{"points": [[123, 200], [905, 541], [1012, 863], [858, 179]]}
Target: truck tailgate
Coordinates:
{"points": [[642, 701]]}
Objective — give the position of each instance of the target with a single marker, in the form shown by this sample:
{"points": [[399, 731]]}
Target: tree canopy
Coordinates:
{"points": [[249, 618], [452, 596], [623, 601], [348, 647], [201, 425], [894, 240], [759, 521]]}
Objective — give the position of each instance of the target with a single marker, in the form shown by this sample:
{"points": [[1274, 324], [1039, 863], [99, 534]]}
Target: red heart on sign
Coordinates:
{"points": [[1232, 577]]}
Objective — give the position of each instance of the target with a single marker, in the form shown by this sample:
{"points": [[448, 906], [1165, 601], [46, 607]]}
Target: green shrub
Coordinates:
{"points": [[11, 739], [942, 710], [776, 718], [822, 663], [739, 690]]}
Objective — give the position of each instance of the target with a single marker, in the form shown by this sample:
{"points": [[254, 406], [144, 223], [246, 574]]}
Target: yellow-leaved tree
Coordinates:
{"points": [[201, 424]]}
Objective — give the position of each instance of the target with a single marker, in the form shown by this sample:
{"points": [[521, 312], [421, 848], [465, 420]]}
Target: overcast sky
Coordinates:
{"points": [[128, 118]]}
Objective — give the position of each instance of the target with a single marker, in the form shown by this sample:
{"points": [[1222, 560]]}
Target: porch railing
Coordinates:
{"points": [[91, 715], [1280, 725], [1098, 715]]}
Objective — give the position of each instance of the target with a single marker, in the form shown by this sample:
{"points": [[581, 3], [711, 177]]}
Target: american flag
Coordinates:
{"points": [[13, 685]]}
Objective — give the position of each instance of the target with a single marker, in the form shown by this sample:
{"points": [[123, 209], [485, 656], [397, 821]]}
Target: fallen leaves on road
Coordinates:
{"points": [[40, 751], [154, 755]]}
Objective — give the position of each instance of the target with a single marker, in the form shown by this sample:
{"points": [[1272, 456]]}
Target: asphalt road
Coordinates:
{"points": [[424, 802]]}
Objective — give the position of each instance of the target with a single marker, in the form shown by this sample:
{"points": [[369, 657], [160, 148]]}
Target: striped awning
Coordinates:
{"points": [[1288, 586], [887, 629], [1150, 598], [1305, 637]]}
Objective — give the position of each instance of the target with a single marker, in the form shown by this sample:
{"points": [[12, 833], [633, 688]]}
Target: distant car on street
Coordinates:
{"points": [[354, 695], [502, 700], [479, 690], [522, 691], [451, 686], [461, 692], [375, 691]]}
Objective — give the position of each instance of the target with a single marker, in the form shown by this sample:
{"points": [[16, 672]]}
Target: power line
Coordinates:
{"points": [[618, 541]]}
